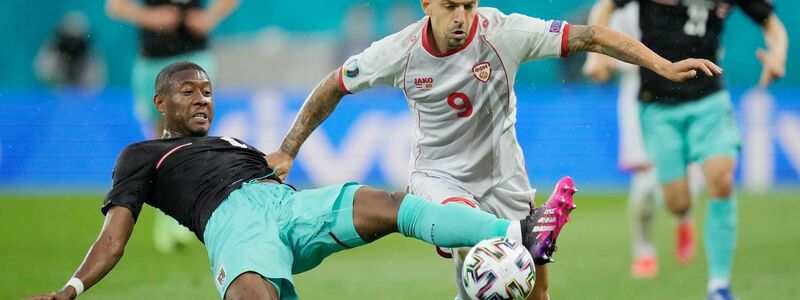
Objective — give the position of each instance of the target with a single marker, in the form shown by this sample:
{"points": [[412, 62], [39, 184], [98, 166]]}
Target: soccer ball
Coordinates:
{"points": [[498, 269]]}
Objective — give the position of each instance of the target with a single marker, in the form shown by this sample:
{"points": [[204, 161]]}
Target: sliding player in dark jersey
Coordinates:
{"points": [[169, 31], [693, 121], [259, 231]]}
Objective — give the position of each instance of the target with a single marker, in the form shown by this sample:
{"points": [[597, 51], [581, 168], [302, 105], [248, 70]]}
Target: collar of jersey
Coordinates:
{"points": [[434, 52]]}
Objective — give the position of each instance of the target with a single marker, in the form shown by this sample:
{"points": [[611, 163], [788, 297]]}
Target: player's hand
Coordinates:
{"points": [[63, 294], [280, 162], [162, 18], [688, 68], [598, 67], [198, 22], [773, 67]]}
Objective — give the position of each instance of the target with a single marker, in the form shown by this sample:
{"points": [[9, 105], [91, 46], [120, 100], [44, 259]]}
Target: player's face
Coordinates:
{"points": [[450, 21], [188, 107]]}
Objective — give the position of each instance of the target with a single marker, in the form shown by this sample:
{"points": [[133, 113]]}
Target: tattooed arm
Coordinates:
{"points": [[317, 107], [598, 67], [603, 40]]}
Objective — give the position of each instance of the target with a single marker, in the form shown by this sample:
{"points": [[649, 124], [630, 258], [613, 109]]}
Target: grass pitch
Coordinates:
{"points": [[45, 238]]}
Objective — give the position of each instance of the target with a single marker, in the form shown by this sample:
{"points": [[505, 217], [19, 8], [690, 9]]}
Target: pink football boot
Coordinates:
{"points": [[540, 229]]}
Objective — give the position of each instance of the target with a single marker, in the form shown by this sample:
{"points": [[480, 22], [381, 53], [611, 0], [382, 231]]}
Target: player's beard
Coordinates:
{"points": [[453, 44]]}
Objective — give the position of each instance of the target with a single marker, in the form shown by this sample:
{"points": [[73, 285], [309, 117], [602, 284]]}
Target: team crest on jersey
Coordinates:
{"points": [[221, 275], [425, 83], [482, 71], [350, 69]]}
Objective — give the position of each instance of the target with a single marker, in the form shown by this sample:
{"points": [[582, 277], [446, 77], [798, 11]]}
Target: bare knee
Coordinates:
{"points": [[375, 212], [721, 185], [378, 201], [677, 206], [397, 199], [719, 176], [677, 197], [251, 286]]}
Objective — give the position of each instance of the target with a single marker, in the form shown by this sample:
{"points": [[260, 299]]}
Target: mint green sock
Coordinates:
{"points": [[720, 237], [450, 225]]}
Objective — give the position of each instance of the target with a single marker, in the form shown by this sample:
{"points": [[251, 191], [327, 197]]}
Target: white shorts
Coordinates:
{"points": [[632, 153], [511, 199]]}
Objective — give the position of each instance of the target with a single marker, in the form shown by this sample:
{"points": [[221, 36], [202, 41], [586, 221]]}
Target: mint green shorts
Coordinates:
{"points": [[276, 232], [676, 135], [143, 80]]}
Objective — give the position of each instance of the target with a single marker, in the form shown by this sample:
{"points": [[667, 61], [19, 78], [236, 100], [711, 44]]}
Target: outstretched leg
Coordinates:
{"points": [[377, 213]]}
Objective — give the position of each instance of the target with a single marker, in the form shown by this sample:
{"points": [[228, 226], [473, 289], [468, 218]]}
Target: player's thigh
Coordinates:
{"points": [[665, 140], [713, 131], [244, 234], [510, 199], [320, 222], [440, 190]]}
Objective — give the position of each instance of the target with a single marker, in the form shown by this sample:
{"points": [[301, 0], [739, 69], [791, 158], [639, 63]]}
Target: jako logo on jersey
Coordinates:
{"points": [[555, 26], [423, 83], [482, 71], [351, 68]]}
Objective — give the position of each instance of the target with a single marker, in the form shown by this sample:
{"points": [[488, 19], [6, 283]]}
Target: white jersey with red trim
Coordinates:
{"points": [[462, 101]]}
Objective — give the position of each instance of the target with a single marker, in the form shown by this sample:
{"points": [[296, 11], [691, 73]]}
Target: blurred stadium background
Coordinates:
{"points": [[58, 143]]}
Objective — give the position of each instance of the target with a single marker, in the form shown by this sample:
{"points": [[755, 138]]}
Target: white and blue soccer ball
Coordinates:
{"points": [[498, 269]]}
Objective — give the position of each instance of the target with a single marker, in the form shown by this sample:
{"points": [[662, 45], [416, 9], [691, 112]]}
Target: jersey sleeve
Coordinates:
{"points": [[757, 10], [527, 38], [382, 63], [131, 181]]}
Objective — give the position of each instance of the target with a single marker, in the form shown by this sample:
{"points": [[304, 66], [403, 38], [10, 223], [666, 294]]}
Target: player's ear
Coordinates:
{"points": [[426, 6], [159, 103]]}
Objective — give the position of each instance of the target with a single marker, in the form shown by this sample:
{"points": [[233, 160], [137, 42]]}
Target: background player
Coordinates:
{"points": [[257, 230], [693, 121], [169, 31], [457, 68], [644, 192]]}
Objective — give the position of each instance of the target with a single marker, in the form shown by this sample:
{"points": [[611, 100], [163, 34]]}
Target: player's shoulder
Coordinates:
{"points": [[155, 145], [492, 20], [403, 39]]}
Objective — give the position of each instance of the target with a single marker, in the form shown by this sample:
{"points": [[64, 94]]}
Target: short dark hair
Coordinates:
{"points": [[163, 82]]}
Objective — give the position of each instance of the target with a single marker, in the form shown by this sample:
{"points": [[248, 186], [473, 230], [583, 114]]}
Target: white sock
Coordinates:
{"points": [[641, 211], [718, 283], [514, 231]]}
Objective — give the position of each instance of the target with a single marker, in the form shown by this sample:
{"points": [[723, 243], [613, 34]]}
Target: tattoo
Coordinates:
{"points": [[624, 51], [581, 38], [318, 106]]}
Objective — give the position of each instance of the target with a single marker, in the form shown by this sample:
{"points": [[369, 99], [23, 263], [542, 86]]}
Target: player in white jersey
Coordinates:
{"points": [[644, 191], [457, 68]]}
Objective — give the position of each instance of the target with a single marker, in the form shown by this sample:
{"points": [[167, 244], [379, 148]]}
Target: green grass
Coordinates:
{"points": [[45, 238]]}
